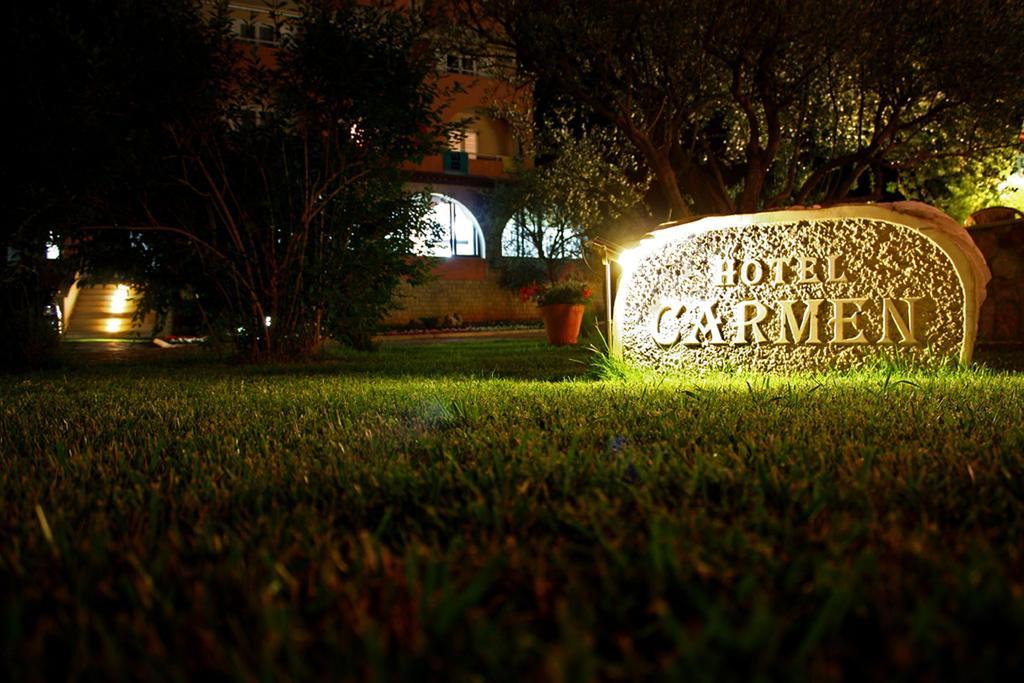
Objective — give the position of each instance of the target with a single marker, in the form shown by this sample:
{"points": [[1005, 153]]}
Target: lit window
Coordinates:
{"points": [[463, 64], [460, 233], [252, 31], [463, 141], [525, 230]]}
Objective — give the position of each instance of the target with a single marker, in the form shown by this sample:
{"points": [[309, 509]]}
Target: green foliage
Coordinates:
{"points": [[297, 210], [583, 182], [737, 106], [963, 188], [519, 273], [95, 85], [262, 189], [563, 292], [591, 323], [452, 512], [582, 185], [31, 335]]}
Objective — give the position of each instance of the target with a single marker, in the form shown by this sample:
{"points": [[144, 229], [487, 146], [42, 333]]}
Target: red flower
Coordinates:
{"points": [[587, 292], [529, 291]]}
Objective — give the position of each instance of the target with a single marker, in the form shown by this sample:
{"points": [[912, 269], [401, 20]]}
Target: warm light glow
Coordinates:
{"points": [[629, 258], [800, 289], [1015, 183], [118, 301], [113, 325]]}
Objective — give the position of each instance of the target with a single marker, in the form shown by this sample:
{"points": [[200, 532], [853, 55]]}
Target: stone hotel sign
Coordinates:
{"points": [[801, 289]]}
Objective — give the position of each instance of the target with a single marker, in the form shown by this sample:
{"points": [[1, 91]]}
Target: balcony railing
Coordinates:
{"points": [[478, 66]]}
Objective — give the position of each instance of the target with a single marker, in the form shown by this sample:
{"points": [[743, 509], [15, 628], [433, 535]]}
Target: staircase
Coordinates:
{"points": [[105, 312]]}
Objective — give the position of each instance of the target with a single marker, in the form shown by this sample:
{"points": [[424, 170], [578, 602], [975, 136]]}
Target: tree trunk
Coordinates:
{"points": [[753, 183], [669, 183], [709, 195]]}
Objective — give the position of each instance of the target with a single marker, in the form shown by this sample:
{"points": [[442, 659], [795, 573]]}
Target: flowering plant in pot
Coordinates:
{"points": [[561, 306]]}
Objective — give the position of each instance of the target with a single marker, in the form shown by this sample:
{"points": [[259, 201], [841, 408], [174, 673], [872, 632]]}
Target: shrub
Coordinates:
{"points": [[31, 336], [565, 292]]}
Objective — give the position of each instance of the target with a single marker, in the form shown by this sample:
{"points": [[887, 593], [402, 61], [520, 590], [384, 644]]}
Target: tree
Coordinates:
{"points": [[581, 185], [290, 190], [961, 187], [92, 83], [736, 105]]}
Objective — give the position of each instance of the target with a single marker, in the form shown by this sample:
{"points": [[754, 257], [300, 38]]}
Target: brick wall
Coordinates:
{"points": [[1002, 314], [470, 288]]}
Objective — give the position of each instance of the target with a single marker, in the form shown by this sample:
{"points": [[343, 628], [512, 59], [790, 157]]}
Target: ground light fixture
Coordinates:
{"points": [[118, 305], [610, 251], [626, 257]]}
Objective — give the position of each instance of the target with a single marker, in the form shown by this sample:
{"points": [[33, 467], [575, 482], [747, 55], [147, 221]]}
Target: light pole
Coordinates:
{"points": [[609, 252]]}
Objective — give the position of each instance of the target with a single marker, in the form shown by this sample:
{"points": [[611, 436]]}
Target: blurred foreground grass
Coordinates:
{"points": [[484, 511]]}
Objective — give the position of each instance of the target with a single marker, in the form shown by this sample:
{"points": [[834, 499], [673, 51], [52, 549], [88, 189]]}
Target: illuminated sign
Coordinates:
{"points": [[801, 289]]}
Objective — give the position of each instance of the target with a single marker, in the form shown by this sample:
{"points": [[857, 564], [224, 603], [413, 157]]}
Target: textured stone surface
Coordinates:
{"points": [[906, 278]]}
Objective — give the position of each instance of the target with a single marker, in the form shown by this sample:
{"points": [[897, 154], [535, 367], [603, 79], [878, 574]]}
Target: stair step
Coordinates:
{"points": [[91, 315]]}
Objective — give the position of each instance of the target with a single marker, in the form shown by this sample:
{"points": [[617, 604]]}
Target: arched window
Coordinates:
{"points": [[459, 232], [525, 229]]}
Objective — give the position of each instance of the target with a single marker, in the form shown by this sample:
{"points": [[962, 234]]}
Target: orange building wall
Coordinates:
{"points": [[468, 287]]}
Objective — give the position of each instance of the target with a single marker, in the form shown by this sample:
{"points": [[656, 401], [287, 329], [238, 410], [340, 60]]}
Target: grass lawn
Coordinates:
{"points": [[487, 511]]}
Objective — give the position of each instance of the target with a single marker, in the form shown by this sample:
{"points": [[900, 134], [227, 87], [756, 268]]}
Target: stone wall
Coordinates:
{"points": [[1002, 315]]}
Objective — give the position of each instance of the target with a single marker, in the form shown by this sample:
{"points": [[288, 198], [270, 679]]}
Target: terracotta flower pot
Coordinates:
{"points": [[562, 322]]}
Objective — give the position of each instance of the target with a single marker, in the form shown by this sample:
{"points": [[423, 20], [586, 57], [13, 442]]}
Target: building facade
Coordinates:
{"points": [[468, 265]]}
